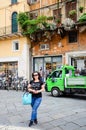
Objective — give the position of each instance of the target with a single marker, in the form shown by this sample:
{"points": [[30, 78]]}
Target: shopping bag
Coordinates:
{"points": [[26, 98]]}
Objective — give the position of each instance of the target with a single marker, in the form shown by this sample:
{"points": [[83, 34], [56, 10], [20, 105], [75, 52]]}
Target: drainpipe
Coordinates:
{"points": [[5, 20], [77, 9], [40, 6], [84, 6]]}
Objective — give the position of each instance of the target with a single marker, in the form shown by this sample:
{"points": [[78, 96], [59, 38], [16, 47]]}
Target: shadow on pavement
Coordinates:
{"points": [[74, 96]]}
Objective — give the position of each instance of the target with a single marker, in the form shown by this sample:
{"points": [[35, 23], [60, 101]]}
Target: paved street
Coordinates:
{"points": [[63, 113]]}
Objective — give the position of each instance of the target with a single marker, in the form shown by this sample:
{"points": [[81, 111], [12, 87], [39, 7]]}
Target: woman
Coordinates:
{"points": [[36, 87]]}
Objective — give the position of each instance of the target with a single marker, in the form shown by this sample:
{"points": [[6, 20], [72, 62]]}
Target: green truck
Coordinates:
{"points": [[64, 81]]}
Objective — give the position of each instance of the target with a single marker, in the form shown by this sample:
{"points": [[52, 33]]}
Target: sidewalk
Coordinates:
{"points": [[63, 113]]}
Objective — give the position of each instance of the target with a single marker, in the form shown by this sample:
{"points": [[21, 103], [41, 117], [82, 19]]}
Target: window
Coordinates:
{"points": [[57, 15], [57, 74], [44, 46], [13, 1], [72, 36], [31, 1], [33, 15], [14, 22], [71, 5], [15, 45]]}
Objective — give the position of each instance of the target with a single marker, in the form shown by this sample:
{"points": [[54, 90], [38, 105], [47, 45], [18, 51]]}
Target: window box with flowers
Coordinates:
{"points": [[68, 24]]}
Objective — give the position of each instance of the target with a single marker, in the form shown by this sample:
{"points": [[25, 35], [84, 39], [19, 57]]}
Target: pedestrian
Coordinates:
{"points": [[36, 87], [41, 74]]}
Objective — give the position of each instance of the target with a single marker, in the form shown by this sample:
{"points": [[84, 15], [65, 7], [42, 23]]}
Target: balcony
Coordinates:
{"points": [[7, 32]]}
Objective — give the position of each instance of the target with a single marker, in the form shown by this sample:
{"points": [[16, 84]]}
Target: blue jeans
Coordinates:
{"points": [[35, 104]]}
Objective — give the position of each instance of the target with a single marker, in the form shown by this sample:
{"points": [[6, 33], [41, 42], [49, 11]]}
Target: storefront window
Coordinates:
{"points": [[57, 62], [9, 68], [38, 63]]}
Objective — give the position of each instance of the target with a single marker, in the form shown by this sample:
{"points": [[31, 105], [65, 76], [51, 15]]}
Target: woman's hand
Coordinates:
{"points": [[36, 91], [32, 91]]}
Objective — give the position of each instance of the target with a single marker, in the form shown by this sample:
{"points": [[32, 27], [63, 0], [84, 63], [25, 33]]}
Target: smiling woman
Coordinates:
{"points": [[36, 87]]}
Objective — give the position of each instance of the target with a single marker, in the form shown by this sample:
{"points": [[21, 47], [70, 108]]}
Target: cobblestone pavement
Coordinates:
{"points": [[61, 113]]}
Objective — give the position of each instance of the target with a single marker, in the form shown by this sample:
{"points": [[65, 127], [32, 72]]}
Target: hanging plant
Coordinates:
{"points": [[50, 18], [22, 17], [73, 0], [30, 26], [72, 13], [58, 21], [68, 24], [81, 9], [82, 18], [33, 27]]}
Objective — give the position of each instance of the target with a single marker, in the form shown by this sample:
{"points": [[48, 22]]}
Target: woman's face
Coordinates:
{"points": [[35, 75]]}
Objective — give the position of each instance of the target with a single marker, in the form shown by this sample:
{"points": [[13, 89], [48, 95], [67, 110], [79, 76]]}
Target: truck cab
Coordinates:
{"points": [[63, 80]]}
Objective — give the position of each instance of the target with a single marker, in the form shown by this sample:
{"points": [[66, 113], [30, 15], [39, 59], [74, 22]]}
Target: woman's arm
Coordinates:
{"points": [[42, 89], [36, 91], [30, 89]]}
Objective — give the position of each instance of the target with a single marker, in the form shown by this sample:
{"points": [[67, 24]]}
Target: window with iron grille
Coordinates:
{"points": [[13, 1], [57, 14], [72, 36], [71, 6], [44, 47]]}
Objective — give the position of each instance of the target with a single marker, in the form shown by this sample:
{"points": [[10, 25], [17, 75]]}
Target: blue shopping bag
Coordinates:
{"points": [[27, 98]]}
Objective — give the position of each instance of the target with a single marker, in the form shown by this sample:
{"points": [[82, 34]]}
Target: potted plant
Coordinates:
{"points": [[72, 13], [58, 21], [50, 18], [81, 9], [73, 0], [82, 18]]}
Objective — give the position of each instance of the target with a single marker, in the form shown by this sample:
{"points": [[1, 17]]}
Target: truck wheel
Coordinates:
{"points": [[55, 92]]}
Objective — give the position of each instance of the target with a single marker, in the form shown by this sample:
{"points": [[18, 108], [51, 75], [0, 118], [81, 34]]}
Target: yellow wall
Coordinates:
{"points": [[6, 3], [6, 49], [6, 10]]}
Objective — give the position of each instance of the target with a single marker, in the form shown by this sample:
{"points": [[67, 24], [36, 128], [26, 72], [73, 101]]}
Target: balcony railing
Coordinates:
{"points": [[8, 31]]}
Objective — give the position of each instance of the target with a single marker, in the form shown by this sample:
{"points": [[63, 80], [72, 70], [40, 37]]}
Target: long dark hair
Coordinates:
{"points": [[39, 76]]}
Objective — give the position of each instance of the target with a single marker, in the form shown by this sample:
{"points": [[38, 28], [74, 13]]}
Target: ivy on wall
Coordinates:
{"points": [[30, 26], [35, 27]]}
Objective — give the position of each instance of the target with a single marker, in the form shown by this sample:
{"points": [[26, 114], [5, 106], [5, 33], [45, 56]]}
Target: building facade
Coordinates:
{"points": [[14, 47], [67, 45], [20, 55]]}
